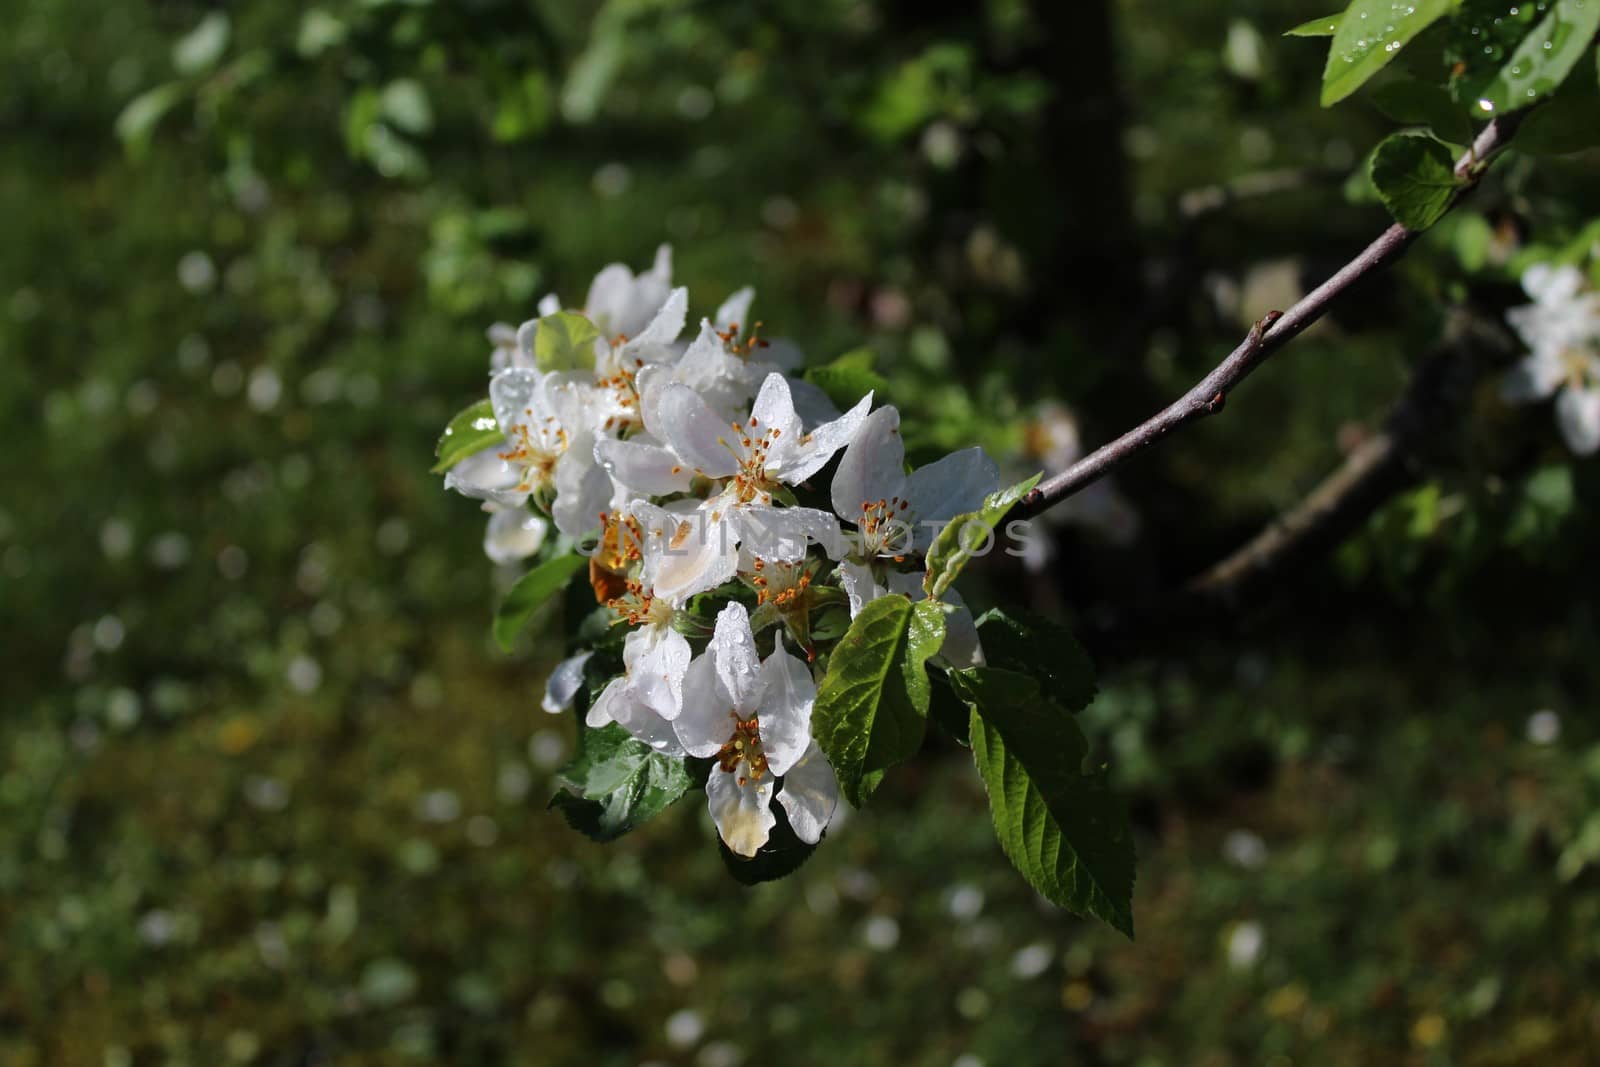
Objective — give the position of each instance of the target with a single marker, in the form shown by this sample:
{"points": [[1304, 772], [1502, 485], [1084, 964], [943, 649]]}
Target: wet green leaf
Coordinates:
{"points": [[1370, 34], [472, 430], [1506, 56], [1326, 26], [565, 341], [615, 783], [872, 706], [967, 536]]}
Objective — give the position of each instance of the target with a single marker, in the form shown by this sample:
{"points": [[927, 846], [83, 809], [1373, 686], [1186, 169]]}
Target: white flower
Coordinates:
{"points": [[565, 680], [513, 534], [1562, 329], [623, 303], [752, 457], [754, 717], [619, 358], [648, 695], [1564, 312], [895, 513], [960, 647], [549, 450]]}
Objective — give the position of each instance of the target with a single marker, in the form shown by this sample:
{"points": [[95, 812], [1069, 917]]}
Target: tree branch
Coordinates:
{"points": [[1273, 331], [1387, 463]]}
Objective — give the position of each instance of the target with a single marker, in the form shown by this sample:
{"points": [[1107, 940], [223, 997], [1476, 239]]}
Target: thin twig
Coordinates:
{"points": [[1268, 335]]}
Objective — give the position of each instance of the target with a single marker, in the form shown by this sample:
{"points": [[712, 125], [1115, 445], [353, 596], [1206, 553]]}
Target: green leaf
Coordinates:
{"points": [[565, 341], [872, 706], [531, 590], [966, 536], [471, 431], [202, 46], [1063, 828], [1370, 34], [1415, 178], [847, 379], [615, 783], [918, 90], [1326, 26], [780, 857], [138, 121], [1418, 103], [1045, 650], [1504, 57]]}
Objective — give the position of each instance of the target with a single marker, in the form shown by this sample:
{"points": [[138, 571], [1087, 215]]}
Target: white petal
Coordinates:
{"points": [[818, 446], [811, 403], [695, 432], [1578, 416], [706, 367], [735, 310], [609, 296], [809, 796], [607, 705], [524, 344], [698, 555], [733, 654], [512, 393], [661, 268], [1534, 378], [485, 476], [513, 534], [784, 534], [649, 470], [564, 683], [549, 304], [961, 646], [645, 725], [787, 695], [660, 656], [859, 585], [743, 813], [774, 410], [583, 491], [706, 720], [1552, 285], [872, 468], [953, 485], [667, 324]]}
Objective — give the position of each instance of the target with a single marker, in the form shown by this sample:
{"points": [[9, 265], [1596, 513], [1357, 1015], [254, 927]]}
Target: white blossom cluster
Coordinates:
{"points": [[682, 464], [1562, 331]]}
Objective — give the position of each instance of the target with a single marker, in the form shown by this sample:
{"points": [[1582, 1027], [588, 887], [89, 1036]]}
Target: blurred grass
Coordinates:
{"points": [[268, 795]]}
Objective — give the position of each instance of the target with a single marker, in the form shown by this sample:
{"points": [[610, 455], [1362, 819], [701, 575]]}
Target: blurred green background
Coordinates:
{"points": [[268, 795]]}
